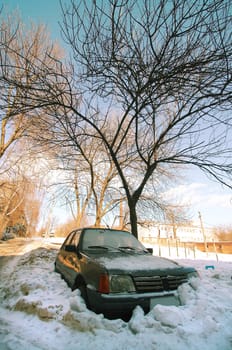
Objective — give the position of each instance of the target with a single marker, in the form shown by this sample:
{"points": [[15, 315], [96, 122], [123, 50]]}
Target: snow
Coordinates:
{"points": [[140, 262], [38, 311]]}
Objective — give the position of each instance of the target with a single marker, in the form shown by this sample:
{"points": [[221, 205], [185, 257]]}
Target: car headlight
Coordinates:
{"points": [[193, 274], [121, 284]]}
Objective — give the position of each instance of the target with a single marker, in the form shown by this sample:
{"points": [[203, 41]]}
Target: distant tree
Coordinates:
{"points": [[20, 205], [21, 47], [89, 182], [158, 71], [32, 205], [223, 233], [11, 209], [64, 229]]}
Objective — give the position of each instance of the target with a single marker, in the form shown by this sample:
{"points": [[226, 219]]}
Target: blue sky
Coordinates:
{"points": [[41, 11], [208, 197], [211, 199]]}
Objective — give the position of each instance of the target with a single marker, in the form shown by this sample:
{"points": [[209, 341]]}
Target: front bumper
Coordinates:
{"points": [[120, 304]]}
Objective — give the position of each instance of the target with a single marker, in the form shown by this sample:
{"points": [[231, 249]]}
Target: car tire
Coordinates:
{"points": [[55, 268], [80, 284], [82, 289]]}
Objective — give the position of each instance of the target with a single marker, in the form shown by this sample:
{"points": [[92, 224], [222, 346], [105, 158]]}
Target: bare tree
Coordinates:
{"points": [[11, 202], [89, 181], [168, 67], [223, 233], [20, 48], [21, 196], [32, 205], [12, 196], [159, 71]]}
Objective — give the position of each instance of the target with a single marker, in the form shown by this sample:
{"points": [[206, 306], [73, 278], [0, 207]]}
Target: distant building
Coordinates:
{"points": [[182, 232]]}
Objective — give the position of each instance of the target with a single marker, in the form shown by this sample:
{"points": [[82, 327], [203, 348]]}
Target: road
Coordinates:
{"points": [[19, 246], [10, 249], [13, 246]]}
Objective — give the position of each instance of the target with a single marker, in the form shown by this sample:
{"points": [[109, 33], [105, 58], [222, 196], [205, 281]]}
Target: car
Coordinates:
{"points": [[115, 272]]}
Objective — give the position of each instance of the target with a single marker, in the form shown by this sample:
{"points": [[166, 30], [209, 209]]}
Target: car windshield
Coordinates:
{"points": [[114, 239]]}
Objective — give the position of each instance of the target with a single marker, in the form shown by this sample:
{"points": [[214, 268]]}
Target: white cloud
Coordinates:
{"points": [[209, 198], [185, 194]]}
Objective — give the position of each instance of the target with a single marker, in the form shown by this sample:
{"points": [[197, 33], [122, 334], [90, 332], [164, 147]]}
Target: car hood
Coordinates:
{"points": [[135, 262]]}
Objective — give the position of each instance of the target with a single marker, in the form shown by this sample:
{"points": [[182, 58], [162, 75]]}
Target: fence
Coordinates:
{"points": [[174, 248]]}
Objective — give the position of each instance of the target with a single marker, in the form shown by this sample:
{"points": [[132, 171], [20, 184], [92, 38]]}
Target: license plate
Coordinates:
{"points": [[165, 300]]}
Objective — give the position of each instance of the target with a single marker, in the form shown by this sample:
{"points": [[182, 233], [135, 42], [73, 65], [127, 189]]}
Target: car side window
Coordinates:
{"points": [[75, 238], [68, 240]]}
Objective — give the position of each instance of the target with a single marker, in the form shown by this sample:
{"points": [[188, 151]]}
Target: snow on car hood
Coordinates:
{"points": [[136, 262]]}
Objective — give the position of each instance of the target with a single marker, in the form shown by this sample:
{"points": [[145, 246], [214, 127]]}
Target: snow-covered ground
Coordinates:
{"points": [[38, 310]]}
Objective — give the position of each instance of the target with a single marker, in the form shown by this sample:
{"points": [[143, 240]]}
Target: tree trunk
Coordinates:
{"points": [[98, 219], [133, 217]]}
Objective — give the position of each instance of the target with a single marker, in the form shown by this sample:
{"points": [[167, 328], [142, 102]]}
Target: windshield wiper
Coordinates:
{"points": [[128, 248], [97, 247]]}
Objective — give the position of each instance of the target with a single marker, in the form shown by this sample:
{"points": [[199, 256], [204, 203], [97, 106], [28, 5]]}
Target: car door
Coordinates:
{"points": [[61, 257], [70, 258]]}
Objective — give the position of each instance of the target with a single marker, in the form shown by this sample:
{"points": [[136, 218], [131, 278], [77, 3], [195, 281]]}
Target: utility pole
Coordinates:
{"points": [[203, 232], [121, 214]]}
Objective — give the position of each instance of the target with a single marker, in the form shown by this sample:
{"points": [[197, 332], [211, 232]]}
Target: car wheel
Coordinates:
{"points": [[83, 291], [80, 284]]}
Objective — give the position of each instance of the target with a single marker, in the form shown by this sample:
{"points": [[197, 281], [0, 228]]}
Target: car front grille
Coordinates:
{"points": [[158, 283]]}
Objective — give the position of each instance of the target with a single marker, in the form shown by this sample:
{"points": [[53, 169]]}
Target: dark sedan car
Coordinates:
{"points": [[115, 272]]}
